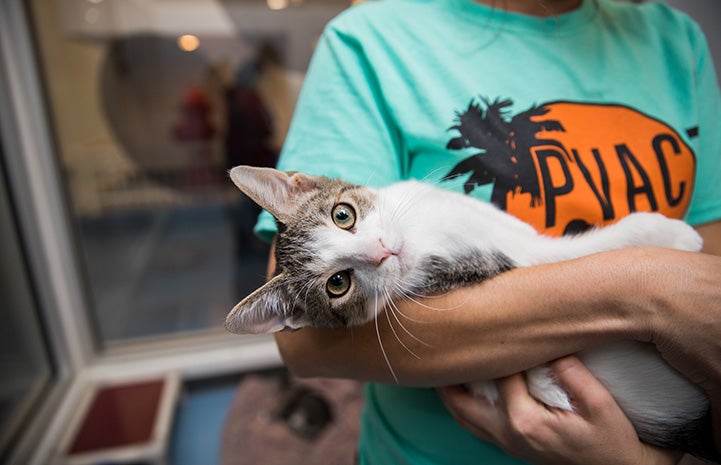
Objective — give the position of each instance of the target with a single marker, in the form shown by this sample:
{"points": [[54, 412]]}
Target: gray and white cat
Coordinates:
{"points": [[345, 251]]}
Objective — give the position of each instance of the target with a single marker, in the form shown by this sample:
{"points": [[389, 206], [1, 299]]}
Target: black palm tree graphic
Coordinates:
{"points": [[506, 143]]}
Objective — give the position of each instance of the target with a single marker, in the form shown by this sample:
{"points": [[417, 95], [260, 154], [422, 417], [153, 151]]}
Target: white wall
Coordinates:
{"points": [[708, 14]]}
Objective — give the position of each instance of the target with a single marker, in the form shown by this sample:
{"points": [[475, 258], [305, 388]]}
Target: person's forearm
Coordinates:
{"points": [[510, 323], [687, 324]]}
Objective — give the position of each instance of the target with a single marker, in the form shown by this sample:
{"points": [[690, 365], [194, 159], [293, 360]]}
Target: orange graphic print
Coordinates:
{"points": [[564, 166]]}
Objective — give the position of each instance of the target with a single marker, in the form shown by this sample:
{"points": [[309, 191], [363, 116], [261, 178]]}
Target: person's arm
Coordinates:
{"points": [[687, 331], [502, 326], [597, 429], [531, 315]]}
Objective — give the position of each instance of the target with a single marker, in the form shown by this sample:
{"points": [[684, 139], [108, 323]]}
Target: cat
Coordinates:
{"points": [[345, 251]]}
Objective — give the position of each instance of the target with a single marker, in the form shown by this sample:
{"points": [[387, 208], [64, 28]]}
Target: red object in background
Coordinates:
{"points": [[194, 121], [119, 416]]}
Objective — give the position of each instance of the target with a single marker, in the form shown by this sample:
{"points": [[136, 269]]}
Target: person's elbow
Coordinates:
{"points": [[297, 355], [329, 353]]}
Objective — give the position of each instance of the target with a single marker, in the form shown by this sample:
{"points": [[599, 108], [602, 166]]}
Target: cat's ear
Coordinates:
{"points": [[278, 192], [267, 310]]}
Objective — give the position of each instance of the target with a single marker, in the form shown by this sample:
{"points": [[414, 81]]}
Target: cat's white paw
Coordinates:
{"points": [[656, 230], [543, 387], [485, 389]]}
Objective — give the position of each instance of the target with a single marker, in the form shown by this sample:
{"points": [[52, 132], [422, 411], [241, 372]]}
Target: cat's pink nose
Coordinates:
{"points": [[381, 253], [385, 253]]}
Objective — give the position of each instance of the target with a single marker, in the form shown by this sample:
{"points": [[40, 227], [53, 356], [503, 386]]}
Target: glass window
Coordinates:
{"points": [[152, 101], [24, 362]]}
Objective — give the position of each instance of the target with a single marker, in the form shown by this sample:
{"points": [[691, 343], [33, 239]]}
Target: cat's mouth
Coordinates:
{"points": [[395, 265], [390, 252], [381, 252]]}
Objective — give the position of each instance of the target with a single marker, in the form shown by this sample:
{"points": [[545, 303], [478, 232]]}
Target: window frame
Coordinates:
{"points": [[38, 192]]}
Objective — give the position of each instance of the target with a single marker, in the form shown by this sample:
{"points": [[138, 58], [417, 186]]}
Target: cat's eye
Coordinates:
{"points": [[338, 284], [343, 216]]}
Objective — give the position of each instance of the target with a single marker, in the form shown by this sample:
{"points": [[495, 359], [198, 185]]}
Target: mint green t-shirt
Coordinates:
{"points": [[564, 122]]}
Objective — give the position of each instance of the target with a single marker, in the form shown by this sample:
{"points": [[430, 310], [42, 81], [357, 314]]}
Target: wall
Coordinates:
{"points": [[708, 14]]}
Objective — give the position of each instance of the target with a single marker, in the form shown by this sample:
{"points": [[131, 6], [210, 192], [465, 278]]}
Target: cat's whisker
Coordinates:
{"points": [[432, 174], [402, 295], [393, 308], [399, 206], [380, 342], [402, 290], [414, 320], [307, 286], [417, 302], [405, 201], [300, 279], [368, 180], [390, 323], [395, 215]]}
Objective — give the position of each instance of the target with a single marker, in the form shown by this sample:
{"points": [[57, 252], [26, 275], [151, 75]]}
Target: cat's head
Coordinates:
{"points": [[335, 257]]}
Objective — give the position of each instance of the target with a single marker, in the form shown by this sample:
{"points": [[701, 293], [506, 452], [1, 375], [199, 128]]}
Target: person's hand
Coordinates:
{"points": [[596, 432], [686, 322]]}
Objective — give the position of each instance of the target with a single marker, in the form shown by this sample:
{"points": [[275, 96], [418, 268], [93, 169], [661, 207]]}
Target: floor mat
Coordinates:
{"points": [[273, 421]]}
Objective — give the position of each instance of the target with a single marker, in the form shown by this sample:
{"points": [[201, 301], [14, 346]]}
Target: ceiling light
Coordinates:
{"points": [[188, 42], [277, 4]]}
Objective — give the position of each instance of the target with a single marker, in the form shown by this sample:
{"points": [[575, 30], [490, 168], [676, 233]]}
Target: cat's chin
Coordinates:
{"points": [[392, 274], [374, 309]]}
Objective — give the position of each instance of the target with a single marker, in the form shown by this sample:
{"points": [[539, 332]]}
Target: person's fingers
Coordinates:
{"points": [[527, 423], [513, 387], [587, 393], [594, 403], [473, 413], [596, 432], [517, 402]]}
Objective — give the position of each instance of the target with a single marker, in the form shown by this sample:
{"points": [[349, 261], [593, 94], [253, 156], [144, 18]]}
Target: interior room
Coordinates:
{"points": [[124, 244], [134, 111]]}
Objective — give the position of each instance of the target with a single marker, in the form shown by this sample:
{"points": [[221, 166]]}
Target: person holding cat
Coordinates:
{"points": [[566, 114]]}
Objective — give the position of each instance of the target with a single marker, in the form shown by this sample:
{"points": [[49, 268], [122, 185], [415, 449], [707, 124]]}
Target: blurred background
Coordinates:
{"points": [[123, 243]]}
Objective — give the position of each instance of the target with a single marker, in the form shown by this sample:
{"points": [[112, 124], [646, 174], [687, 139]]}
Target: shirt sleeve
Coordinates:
{"points": [[706, 201], [341, 126]]}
